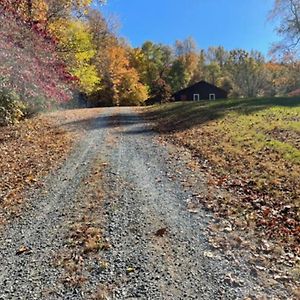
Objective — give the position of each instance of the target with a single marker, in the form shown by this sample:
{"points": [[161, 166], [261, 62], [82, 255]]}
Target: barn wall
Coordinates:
{"points": [[203, 89]]}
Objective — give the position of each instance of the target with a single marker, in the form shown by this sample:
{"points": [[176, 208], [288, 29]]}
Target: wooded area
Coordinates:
{"points": [[66, 51]]}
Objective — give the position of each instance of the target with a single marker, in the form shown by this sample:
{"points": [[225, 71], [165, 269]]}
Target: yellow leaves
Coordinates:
{"points": [[137, 54], [31, 179], [77, 50], [104, 265], [88, 77], [82, 3], [40, 9], [119, 62], [73, 36], [126, 86], [85, 55]]}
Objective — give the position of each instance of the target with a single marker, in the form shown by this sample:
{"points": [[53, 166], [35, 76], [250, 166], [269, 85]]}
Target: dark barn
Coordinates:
{"points": [[200, 91]]}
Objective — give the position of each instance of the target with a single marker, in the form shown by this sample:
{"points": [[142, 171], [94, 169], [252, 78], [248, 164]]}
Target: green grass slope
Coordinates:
{"points": [[253, 146]]}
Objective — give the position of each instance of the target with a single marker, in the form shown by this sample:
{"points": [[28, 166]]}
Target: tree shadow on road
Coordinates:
{"points": [[129, 123], [176, 116]]}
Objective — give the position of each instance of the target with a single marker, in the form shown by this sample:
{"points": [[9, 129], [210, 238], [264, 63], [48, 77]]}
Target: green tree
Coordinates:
{"points": [[213, 73], [152, 61], [248, 73], [185, 64]]}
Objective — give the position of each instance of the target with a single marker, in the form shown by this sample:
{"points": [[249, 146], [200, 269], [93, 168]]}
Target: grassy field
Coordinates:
{"points": [[252, 145]]}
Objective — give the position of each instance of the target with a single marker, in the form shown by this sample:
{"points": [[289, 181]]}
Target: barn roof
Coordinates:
{"points": [[200, 84]]}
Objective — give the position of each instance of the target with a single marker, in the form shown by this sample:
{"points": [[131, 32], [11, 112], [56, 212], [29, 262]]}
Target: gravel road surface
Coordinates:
{"points": [[159, 246]]}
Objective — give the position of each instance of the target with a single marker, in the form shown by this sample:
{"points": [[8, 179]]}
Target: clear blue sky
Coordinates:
{"points": [[231, 23]]}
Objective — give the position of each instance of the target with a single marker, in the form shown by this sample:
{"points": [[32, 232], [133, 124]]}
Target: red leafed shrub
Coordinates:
{"points": [[295, 93], [29, 63]]}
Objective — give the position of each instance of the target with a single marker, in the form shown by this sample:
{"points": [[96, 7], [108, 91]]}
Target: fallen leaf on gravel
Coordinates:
{"points": [[214, 243], [104, 265], [260, 268], [31, 179], [161, 232], [233, 281], [23, 250], [193, 210], [282, 278], [266, 246], [192, 207], [130, 270], [296, 292], [227, 227], [208, 254], [105, 246]]}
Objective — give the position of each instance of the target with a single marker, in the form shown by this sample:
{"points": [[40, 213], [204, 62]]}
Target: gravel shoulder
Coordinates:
{"points": [[154, 240], [32, 148], [29, 244]]}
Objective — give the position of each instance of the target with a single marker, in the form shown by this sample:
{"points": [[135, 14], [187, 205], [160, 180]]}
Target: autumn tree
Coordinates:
{"points": [[178, 76], [48, 11], [215, 69], [75, 47], [185, 64], [279, 78], [199, 72], [127, 89], [247, 72], [102, 37], [162, 90], [152, 61], [30, 67], [121, 82]]}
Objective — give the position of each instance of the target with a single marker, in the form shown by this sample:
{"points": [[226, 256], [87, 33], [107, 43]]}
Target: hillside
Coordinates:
{"points": [[251, 148]]}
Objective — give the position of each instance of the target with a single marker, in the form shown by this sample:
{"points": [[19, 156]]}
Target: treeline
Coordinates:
{"points": [[241, 73], [65, 51]]}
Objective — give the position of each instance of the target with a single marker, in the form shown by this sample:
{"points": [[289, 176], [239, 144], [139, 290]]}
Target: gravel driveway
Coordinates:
{"points": [[159, 247]]}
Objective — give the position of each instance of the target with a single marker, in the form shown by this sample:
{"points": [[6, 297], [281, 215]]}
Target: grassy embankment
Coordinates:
{"points": [[253, 148]]}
